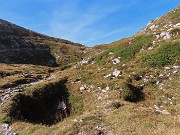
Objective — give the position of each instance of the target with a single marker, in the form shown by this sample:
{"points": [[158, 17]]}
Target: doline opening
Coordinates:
{"points": [[46, 106]]}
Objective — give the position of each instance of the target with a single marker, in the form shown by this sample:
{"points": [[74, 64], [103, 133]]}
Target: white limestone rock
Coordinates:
{"points": [[164, 112], [152, 27], [106, 76], [167, 68], [162, 34], [176, 67], [150, 48], [115, 61], [157, 36], [116, 73], [110, 53]]}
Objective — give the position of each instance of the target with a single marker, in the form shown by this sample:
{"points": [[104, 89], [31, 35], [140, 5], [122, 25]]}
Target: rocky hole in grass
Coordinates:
{"points": [[47, 104], [132, 93]]}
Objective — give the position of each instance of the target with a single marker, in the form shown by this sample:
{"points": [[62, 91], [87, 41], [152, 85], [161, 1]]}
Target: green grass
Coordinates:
{"points": [[165, 55], [38, 104], [174, 15], [77, 103], [127, 52]]}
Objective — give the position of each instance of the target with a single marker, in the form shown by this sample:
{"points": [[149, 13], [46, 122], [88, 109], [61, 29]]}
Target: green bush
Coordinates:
{"points": [[100, 58], [164, 55], [127, 52], [174, 15], [5, 120]]}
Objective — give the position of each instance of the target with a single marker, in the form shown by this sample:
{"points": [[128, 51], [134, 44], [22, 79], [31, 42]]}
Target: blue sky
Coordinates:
{"points": [[89, 22]]}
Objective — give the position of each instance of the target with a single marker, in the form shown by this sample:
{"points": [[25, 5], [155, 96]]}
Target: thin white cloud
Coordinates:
{"points": [[71, 23]]}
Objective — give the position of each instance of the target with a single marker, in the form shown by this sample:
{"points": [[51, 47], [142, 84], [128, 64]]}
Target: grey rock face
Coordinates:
{"points": [[15, 49]]}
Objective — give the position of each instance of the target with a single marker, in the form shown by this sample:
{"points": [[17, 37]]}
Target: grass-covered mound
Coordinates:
{"points": [[38, 104]]}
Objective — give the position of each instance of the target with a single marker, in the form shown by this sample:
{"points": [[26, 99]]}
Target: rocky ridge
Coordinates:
{"points": [[22, 46]]}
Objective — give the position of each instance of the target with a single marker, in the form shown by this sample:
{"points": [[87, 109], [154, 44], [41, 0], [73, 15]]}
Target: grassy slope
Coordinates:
{"points": [[130, 118]]}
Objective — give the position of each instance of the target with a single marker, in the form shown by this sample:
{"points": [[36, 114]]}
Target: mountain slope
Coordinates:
{"points": [[23, 46], [130, 86]]}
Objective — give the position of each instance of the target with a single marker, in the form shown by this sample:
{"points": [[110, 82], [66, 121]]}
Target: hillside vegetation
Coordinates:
{"points": [[131, 86]]}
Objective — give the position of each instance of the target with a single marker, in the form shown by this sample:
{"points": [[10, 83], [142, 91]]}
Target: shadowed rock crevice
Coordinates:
{"points": [[132, 93], [41, 106]]}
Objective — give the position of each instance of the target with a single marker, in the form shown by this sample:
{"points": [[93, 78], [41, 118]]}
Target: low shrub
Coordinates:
{"points": [[164, 55], [127, 52]]}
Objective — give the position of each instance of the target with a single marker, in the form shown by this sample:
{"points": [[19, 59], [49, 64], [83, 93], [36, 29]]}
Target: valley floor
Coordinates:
{"points": [[101, 108]]}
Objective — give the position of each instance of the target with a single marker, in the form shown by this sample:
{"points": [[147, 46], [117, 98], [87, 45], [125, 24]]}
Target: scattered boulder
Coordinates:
{"points": [[176, 67], [158, 110], [61, 105], [157, 36], [86, 61], [165, 112], [162, 34], [167, 36], [150, 48], [100, 130], [109, 75], [177, 25], [106, 89], [153, 27], [167, 68], [5, 129], [116, 61], [86, 88], [116, 73]]}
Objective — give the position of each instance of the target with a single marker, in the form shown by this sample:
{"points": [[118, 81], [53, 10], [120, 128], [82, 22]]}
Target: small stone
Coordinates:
{"points": [[107, 88], [99, 97], [156, 107], [168, 36], [115, 61], [123, 65], [162, 34], [75, 120], [157, 36], [152, 27], [167, 68], [107, 76], [176, 67], [80, 120], [61, 105], [165, 112], [103, 90], [5, 126], [116, 73], [82, 88], [151, 48]]}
